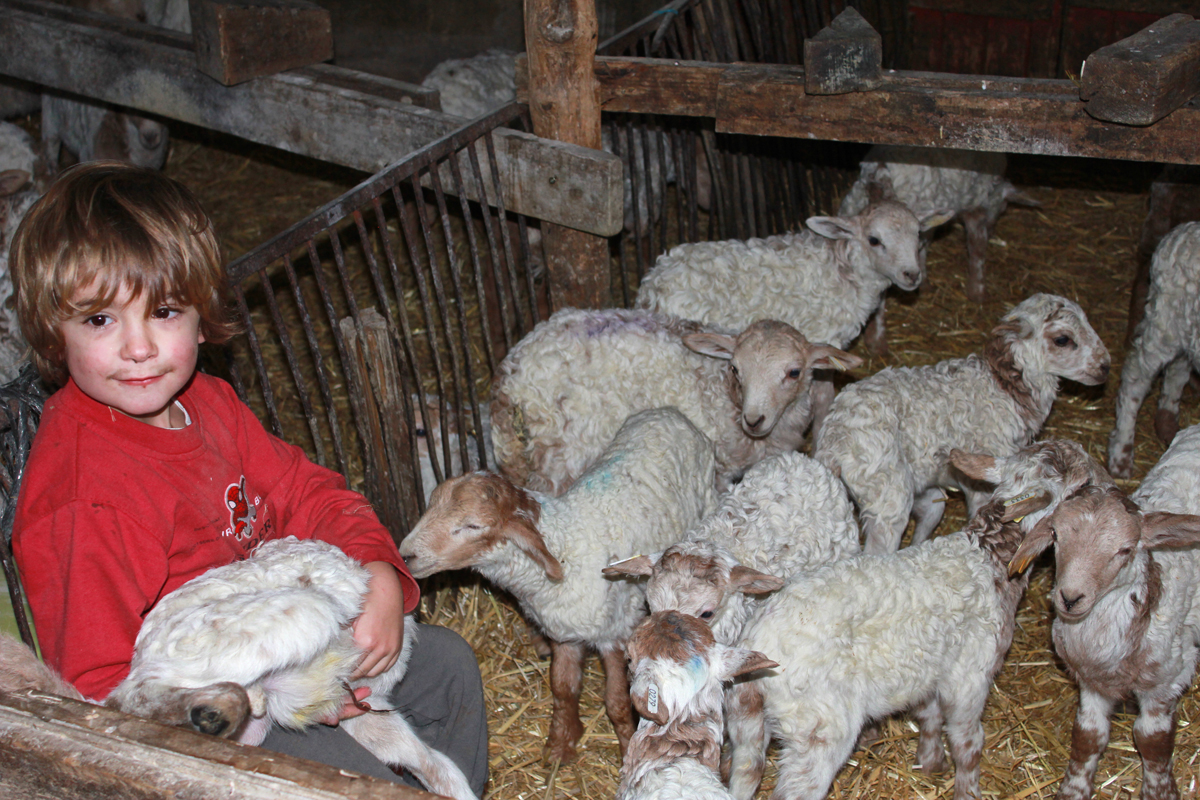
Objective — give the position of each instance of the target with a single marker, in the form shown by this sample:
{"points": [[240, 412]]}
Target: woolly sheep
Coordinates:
{"points": [[1166, 340], [968, 183], [925, 628], [788, 514], [676, 674], [565, 388], [21, 174], [888, 435], [1127, 610], [653, 481]]}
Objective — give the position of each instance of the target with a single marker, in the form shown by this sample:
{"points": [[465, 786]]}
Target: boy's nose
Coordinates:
{"points": [[138, 346]]}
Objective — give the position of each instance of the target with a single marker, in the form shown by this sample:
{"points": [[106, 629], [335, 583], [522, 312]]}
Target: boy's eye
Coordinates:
{"points": [[96, 320], [166, 312]]}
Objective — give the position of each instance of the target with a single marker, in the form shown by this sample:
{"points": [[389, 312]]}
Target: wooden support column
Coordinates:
{"points": [[564, 102]]}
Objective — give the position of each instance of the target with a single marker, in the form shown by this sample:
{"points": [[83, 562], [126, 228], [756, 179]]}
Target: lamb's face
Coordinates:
{"points": [[891, 238], [1068, 345], [699, 578]]}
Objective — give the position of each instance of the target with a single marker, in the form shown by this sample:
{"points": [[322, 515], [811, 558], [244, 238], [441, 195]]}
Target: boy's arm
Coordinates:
{"points": [[379, 629]]}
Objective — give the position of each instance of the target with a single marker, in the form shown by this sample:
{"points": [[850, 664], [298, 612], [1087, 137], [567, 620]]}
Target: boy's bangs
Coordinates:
{"points": [[160, 279]]}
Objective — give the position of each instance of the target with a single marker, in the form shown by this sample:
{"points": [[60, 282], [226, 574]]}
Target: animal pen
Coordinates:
{"points": [[407, 287]]}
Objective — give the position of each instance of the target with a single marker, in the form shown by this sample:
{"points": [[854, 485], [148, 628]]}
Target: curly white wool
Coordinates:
{"points": [[471, 87], [564, 389], [788, 514], [20, 186], [1167, 338], [888, 435]]}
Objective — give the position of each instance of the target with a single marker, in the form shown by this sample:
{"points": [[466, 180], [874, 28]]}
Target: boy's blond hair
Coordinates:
{"points": [[114, 225]]}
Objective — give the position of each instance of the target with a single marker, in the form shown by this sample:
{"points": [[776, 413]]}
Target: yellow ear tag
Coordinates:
{"points": [[1013, 501]]}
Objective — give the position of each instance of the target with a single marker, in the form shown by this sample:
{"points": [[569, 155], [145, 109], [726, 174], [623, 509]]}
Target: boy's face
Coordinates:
{"points": [[131, 360]]}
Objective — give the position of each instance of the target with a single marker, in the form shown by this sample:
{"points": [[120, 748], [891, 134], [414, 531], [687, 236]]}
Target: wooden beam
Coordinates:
{"points": [[237, 40], [52, 748], [333, 114], [564, 102], [979, 112]]}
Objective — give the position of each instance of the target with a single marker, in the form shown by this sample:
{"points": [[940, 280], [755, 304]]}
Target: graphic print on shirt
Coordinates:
{"points": [[242, 513]]}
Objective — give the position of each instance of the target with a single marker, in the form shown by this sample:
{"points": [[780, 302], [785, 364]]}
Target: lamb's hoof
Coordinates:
{"points": [[210, 720], [1166, 425], [977, 294], [562, 752], [868, 737]]}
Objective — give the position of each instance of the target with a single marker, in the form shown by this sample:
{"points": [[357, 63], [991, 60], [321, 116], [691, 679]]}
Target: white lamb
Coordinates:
{"points": [[1167, 338], [888, 435], [968, 183], [562, 392], [1127, 610], [261, 642], [433, 438], [676, 675], [21, 178], [925, 628], [653, 481], [788, 514]]}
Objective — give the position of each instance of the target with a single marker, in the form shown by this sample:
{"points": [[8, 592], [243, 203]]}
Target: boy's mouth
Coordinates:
{"points": [[139, 381]]}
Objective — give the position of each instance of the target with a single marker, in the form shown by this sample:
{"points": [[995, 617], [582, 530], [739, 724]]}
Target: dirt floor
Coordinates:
{"points": [[1079, 244]]}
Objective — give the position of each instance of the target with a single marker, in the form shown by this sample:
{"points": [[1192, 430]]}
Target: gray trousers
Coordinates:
{"points": [[441, 696]]}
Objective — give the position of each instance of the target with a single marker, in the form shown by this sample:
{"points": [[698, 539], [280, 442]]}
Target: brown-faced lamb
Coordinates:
{"points": [[651, 483], [888, 435], [676, 674], [1166, 340], [562, 392], [1127, 610], [788, 514]]}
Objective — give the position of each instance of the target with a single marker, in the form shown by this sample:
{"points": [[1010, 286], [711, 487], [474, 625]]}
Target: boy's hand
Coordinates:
{"points": [[355, 706], [379, 629]]}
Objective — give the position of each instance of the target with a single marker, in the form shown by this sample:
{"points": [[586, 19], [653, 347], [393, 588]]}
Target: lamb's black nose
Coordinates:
{"points": [[1069, 603]]}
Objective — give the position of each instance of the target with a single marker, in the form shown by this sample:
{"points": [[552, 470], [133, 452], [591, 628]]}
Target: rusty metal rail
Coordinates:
{"points": [[398, 298]]}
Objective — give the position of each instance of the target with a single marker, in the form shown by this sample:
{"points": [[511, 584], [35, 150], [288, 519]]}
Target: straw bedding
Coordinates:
{"points": [[1079, 244]]}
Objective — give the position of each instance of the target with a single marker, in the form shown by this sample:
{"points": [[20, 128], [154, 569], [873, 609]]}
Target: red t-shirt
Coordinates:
{"points": [[114, 514]]}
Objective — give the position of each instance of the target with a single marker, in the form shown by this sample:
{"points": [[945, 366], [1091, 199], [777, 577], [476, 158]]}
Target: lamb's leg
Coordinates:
{"points": [[1143, 362], [821, 393], [928, 509], [964, 731], [1089, 738], [392, 740], [1175, 377], [807, 767], [975, 222], [931, 754], [566, 681], [882, 534], [616, 695], [875, 334], [1154, 737], [746, 724]]}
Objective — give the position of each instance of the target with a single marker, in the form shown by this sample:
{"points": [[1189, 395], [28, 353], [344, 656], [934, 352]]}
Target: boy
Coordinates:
{"points": [[145, 473]]}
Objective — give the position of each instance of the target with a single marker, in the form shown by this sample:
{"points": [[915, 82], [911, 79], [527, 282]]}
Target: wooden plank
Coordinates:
{"points": [[1038, 116], [564, 102], [1142, 78], [237, 40], [846, 56], [324, 112], [53, 748], [1014, 9]]}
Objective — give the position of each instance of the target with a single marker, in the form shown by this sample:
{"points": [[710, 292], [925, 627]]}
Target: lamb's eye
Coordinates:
{"points": [[706, 615], [1053, 535], [419, 432], [734, 370], [1124, 551], [873, 241], [794, 373], [1062, 341]]}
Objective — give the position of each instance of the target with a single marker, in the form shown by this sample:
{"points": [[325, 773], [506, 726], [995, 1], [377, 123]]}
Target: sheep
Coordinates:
{"points": [[887, 435], [21, 670], [1127, 610], [277, 627], [21, 183], [432, 441], [676, 674], [471, 87], [1167, 340], [652, 482], [924, 628], [788, 514], [565, 388], [969, 183]]}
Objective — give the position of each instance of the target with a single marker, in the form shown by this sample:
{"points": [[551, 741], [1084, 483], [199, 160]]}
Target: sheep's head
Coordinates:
{"points": [[1101, 541], [884, 237], [696, 578], [771, 366], [1052, 334], [468, 517], [676, 668], [219, 709], [1055, 467]]}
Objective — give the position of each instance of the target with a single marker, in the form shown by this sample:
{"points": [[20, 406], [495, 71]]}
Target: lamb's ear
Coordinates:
{"points": [[973, 465], [1032, 546], [258, 700], [751, 581], [736, 661], [1161, 529], [524, 535], [936, 218], [1019, 507], [832, 227], [824, 356], [1014, 195], [648, 704], [638, 566], [717, 345]]}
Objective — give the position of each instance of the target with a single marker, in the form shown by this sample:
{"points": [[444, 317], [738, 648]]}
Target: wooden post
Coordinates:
{"points": [[564, 102]]}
